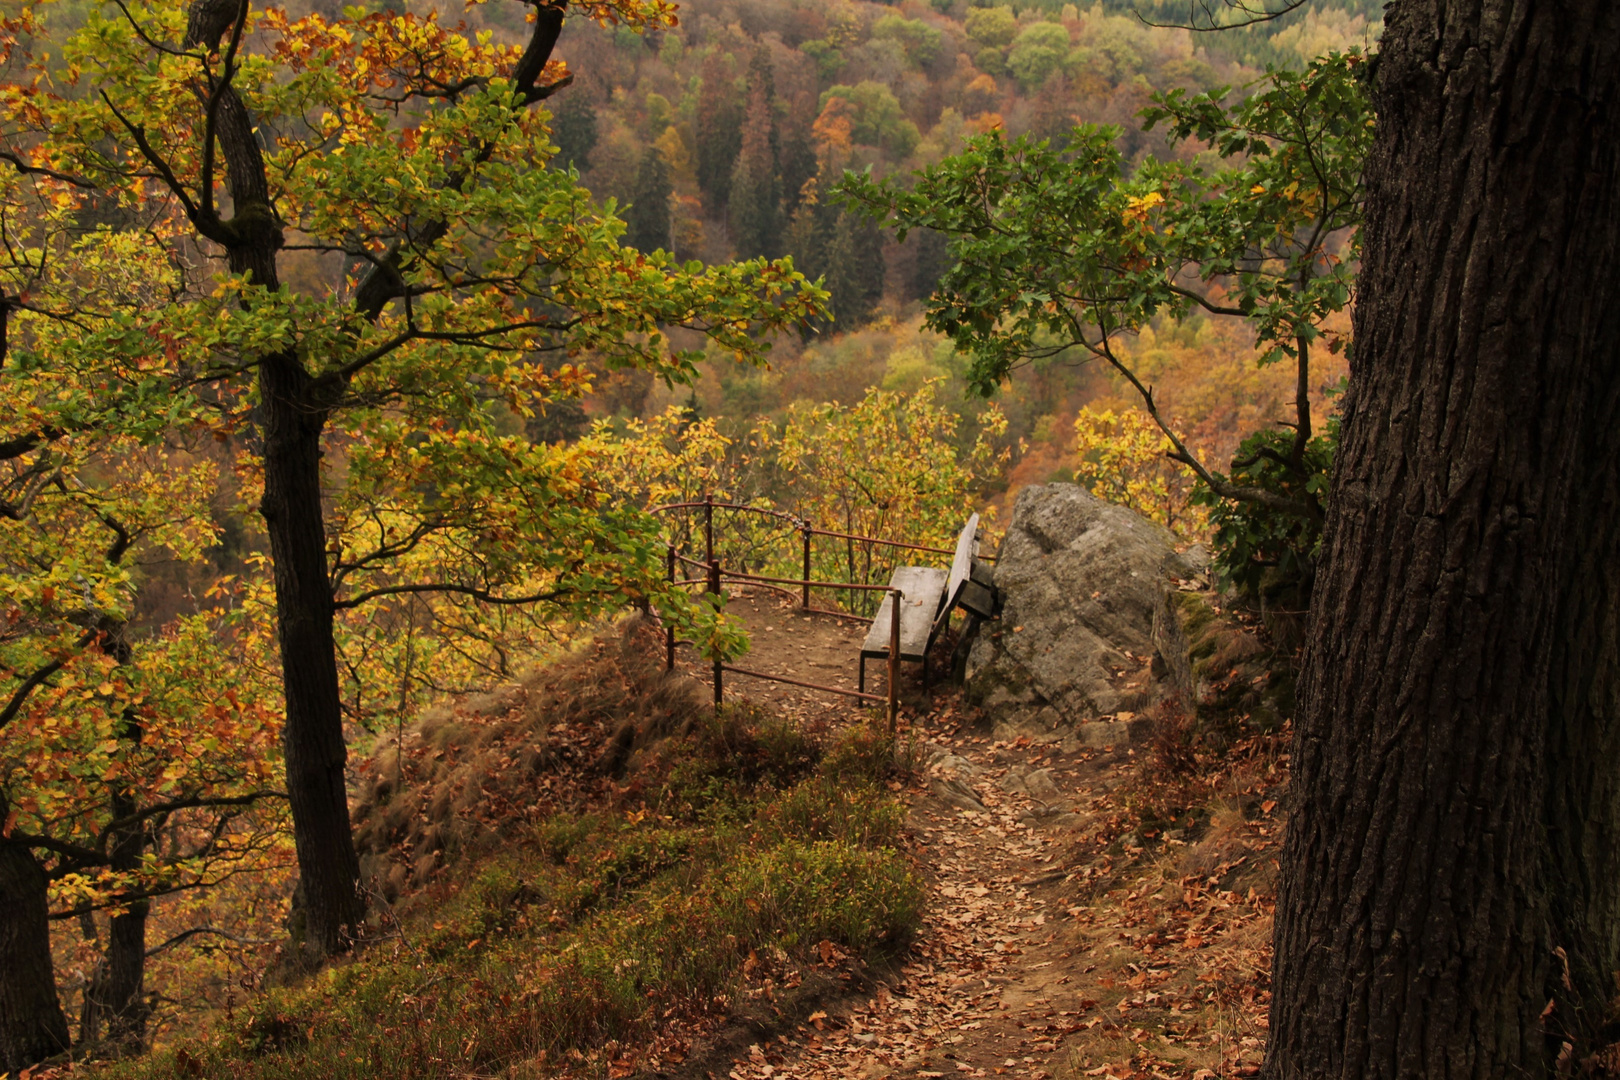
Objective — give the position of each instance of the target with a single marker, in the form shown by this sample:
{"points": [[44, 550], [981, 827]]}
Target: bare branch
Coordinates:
{"points": [[481, 595], [1204, 15], [124, 824], [198, 931], [1205, 303]]}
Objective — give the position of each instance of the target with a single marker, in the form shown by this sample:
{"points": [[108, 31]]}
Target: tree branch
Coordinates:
{"points": [[197, 931], [82, 856], [211, 113], [386, 279], [124, 824], [1302, 404], [1211, 21], [154, 159], [1203, 302], [1179, 452], [20, 696], [481, 595], [36, 170]]}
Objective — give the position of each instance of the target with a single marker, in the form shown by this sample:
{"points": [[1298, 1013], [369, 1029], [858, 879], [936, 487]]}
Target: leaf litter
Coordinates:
{"points": [[1119, 929]]}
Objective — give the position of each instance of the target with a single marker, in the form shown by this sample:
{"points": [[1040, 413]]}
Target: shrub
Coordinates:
{"points": [[1263, 552]]}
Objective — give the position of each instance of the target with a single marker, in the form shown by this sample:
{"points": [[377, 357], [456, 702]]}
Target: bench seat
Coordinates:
{"points": [[923, 589]]}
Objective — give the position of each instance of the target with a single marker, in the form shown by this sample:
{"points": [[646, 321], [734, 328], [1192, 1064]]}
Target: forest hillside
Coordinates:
{"points": [[354, 357]]}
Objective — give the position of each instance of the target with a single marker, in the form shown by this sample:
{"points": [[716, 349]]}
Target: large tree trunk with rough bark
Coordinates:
{"points": [[329, 870], [32, 1025], [1450, 904]]}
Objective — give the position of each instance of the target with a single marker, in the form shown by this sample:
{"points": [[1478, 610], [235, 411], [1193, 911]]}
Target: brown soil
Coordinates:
{"points": [[1064, 937]]}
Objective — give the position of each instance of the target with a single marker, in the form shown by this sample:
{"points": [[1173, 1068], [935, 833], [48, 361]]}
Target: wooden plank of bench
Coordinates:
{"points": [[967, 544], [924, 587]]}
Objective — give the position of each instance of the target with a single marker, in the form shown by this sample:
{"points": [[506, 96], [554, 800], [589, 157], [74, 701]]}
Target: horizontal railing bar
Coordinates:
{"points": [[812, 584], [885, 543], [800, 523], [838, 614], [784, 515], [806, 685]]}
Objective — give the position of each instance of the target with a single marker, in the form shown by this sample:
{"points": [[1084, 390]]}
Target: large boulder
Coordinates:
{"points": [[1080, 580]]}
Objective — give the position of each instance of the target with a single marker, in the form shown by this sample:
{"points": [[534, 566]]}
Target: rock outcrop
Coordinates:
{"points": [[1080, 581]]}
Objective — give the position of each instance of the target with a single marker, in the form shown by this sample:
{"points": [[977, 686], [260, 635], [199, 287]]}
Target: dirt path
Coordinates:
{"points": [[1063, 938]]}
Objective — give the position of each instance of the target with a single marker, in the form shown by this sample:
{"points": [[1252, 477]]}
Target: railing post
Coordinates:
{"points": [[719, 673], [896, 599], [806, 531], [708, 526], [669, 631]]}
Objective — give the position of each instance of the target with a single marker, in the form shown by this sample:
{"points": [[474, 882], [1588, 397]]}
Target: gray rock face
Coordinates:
{"points": [[1080, 579]]}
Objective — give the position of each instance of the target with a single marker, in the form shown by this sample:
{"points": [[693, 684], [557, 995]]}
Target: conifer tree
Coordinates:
{"points": [[797, 165], [854, 268], [762, 78], [573, 129], [756, 204], [719, 132], [648, 220], [806, 238], [933, 260]]}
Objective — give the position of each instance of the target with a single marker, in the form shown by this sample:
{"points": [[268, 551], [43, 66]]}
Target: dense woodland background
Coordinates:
{"points": [[719, 139]]}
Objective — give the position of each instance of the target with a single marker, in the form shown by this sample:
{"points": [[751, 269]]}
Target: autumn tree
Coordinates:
{"points": [[1450, 897], [1057, 250], [113, 789], [412, 157]]}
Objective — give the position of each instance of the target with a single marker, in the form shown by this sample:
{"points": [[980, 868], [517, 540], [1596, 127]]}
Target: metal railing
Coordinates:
{"points": [[714, 575]]}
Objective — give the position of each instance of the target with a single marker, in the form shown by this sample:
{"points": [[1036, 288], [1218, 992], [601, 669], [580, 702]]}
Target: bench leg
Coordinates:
{"points": [[964, 645], [861, 684]]}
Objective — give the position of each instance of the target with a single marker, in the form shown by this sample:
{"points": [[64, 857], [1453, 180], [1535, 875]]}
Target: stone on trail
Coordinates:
{"points": [[1079, 580]]}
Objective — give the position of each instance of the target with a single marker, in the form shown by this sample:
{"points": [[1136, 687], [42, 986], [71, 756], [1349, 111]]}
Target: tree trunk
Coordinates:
{"points": [[32, 1025], [1450, 902], [115, 996], [292, 422], [329, 869]]}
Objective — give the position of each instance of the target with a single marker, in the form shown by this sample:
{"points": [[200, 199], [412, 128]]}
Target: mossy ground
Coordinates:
{"points": [[741, 848]]}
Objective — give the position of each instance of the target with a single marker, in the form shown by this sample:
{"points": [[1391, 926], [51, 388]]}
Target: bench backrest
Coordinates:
{"points": [[967, 545]]}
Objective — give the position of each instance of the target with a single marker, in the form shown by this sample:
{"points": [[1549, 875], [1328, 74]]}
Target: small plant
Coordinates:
{"points": [[1261, 550]]}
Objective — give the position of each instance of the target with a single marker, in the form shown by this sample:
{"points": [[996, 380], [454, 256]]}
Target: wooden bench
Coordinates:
{"points": [[928, 595]]}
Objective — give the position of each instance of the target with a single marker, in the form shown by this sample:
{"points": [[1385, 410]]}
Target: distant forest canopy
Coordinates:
{"points": [[850, 84], [724, 135]]}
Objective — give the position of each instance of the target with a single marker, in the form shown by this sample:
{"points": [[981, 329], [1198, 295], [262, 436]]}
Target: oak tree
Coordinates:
{"points": [[407, 159], [1450, 899], [1062, 251]]}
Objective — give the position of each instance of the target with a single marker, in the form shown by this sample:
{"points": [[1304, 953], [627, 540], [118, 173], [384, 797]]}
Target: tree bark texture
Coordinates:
{"points": [[293, 417], [1450, 900], [312, 739], [32, 1025], [115, 998]]}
